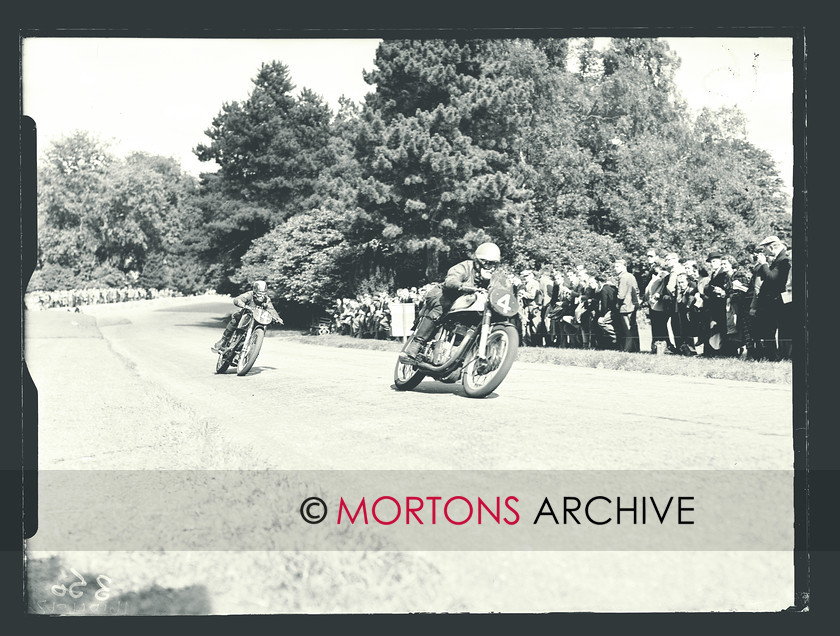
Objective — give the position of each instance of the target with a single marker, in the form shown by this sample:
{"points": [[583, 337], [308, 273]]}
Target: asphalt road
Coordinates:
{"points": [[315, 407]]}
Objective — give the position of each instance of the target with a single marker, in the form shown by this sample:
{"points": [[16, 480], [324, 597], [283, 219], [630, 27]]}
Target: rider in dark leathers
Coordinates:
{"points": [[257, 296], [471, 273]]}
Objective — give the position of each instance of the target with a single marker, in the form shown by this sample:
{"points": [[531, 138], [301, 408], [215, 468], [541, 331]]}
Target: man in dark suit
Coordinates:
{"points": [[546, 282], [714, 300], [773, 272], [604, 314]]}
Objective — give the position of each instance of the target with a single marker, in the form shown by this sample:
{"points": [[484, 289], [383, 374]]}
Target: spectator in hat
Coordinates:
{"points": [[604, 314], [751, 302], [714, 300], [773, 269], [735, 298], [786, 320]]}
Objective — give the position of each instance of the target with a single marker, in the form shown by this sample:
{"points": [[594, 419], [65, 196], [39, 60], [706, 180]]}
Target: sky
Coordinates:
{"points": [[160, 95]]}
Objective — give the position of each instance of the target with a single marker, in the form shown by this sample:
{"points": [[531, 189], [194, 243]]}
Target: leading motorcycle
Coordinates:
{"points": [[246, 341], [475, 342]]}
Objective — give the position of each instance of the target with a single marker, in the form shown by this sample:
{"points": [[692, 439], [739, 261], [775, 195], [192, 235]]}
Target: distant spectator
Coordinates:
{"points": [[672, 263], [686, 316], [645, 270], [691, 271], [659, 308], [786, 318], [585, 312], [715, 293], [560, 294], [530, 299], [605, 314], [735, 301], [628, 302], [773, 270]]}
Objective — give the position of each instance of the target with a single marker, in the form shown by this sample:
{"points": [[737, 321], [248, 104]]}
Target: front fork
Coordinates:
{"points": [[485, 332], [246, 339]]}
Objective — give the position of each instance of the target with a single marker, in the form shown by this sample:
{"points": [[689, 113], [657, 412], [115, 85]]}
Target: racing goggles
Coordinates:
{"points": [[488, 265]]}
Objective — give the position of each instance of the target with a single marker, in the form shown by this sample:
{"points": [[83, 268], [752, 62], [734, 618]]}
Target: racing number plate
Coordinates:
{"points": [[504, 301]]}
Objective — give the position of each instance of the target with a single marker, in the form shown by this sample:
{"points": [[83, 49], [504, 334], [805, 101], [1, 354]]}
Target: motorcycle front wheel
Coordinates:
{"points": [[250, 352], [222, 363], [481, 378], [407, 377]]}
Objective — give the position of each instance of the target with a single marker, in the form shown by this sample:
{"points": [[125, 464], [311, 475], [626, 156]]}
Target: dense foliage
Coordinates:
{"points": [[106, 222], [559, 152]]}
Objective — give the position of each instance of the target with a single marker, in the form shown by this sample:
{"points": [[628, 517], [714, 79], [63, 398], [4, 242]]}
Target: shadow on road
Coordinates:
{"points": [[215, 323], [441, 388], [201, 308], [253, 371]]}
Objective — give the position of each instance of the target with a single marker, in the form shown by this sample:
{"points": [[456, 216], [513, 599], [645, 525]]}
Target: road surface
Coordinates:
{"points": [[311, 407]]}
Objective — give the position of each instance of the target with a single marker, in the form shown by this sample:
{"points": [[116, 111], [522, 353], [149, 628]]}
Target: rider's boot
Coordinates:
{"points": [[424, 331], [223, 342]]}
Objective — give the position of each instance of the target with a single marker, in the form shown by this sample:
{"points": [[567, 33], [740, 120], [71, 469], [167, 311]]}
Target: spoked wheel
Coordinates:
{"points": [[407, 377], [222, 363], [226, 356], [250, 351], [481, 377]]}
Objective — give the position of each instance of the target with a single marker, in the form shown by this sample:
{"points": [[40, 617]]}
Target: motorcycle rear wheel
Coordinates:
{"points": [[407, 377], [250, 352], [502, 345]]}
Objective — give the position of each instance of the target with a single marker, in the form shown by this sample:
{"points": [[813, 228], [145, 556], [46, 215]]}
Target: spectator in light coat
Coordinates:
{"points": [[627, 299]]}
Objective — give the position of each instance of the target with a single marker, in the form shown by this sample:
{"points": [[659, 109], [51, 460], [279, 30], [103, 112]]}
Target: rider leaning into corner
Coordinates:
{"points": [[258, 295], [460, 279]]}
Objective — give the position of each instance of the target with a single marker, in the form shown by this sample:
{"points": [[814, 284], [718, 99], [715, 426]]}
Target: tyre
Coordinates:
{"points": [[250, 351], [407, 377], [482, 378], [222, 363]]}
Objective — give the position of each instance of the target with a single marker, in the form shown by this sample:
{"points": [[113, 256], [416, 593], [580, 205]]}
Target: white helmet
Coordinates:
{"points": [[488, 252], [260, 288], [487, 256]]}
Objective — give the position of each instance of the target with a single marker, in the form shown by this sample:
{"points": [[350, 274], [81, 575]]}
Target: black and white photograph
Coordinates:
{"points": [[395, 324]]}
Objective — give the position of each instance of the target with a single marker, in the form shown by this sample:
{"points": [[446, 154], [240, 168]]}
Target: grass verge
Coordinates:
{"points": [[697, 366]]}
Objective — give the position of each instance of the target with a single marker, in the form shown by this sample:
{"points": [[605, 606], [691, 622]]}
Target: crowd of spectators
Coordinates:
{"points": [[369, 315], [72, 298], [721, 307]]}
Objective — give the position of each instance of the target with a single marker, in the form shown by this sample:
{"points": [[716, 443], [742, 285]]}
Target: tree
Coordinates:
{"points": [[271, 149], [301, 259], [309, 259], [100, 217], [438, 145]]}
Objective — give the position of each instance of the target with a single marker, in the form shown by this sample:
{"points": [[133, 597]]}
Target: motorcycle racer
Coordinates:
{"points": [[257, 295], [460, 279]]}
